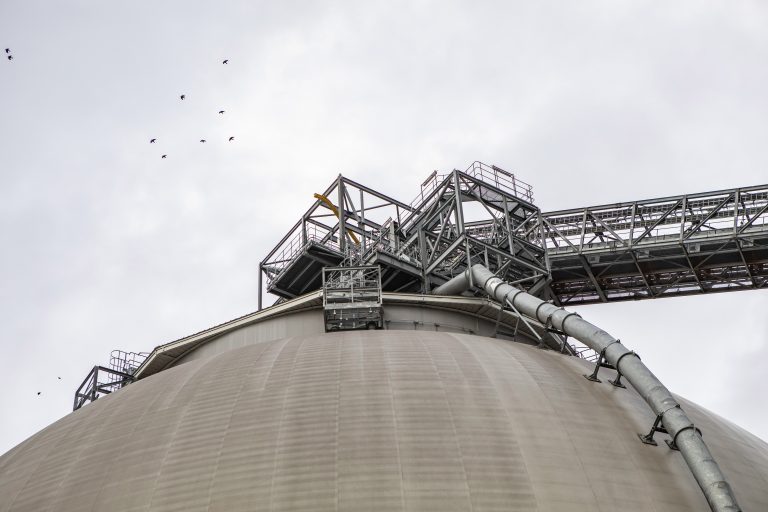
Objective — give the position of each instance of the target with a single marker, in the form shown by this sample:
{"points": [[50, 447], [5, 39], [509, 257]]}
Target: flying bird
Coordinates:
{"points": [[163, 156], [231, 139], [59, 378], [152, 141], [8, 50], [202, 140], [38, 393], [183, 96], [225, 61], [221, 111], [10, 57]]}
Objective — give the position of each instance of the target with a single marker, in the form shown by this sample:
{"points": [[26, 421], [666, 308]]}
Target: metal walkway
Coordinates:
{"points": [[671, 246], [696, 243]]}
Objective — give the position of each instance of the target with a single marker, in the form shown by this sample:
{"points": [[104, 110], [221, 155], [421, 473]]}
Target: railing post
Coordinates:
{"points": [[342, 218], [258, 280]]}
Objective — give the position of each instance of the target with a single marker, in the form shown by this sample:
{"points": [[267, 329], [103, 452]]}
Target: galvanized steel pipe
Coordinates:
{"points": [[687, 438]]}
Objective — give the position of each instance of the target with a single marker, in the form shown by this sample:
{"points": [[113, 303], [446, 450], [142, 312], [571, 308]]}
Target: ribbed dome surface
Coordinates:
{"points": [[373, 420]]}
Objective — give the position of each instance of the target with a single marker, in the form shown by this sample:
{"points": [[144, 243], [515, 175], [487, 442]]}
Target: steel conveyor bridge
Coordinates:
{"points": [[690, 244]]}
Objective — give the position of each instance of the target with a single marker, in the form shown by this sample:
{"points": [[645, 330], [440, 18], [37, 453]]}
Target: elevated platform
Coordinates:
{"points": [[303, 272], [480, 214], [352, 298], [705, 242]]}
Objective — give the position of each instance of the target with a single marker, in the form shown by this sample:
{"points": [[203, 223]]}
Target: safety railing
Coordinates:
{"points": [[352, 298], [126, 362], [297, 242], [490, 174], [102, 380]]}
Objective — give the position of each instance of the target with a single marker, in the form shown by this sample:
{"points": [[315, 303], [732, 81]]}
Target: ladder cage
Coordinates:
{"points": [[352, 298]]}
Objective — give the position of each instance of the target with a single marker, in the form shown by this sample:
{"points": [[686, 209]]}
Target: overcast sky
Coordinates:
{"points": [[105, 245]]}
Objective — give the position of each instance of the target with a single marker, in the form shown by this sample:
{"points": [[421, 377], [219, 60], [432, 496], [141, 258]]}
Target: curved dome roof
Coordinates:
{"points": [[372, 420]]}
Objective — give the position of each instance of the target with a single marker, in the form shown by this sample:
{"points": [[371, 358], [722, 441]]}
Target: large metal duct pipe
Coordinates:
{"points": [[677, 424]]}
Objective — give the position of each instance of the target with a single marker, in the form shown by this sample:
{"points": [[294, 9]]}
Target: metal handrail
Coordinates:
{"points": [[295, 245], [491, 175]]}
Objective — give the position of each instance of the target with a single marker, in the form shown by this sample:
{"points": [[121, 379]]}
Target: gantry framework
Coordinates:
{"points": [[689, 244], [355, 242], [343, 223], [670, 246], [483, 214]]}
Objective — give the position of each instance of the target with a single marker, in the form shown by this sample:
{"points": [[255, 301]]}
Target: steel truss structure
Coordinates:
{"points": [[671, 246], [689, 244], [355, 242], [102, 380], [483, 214], [329, 235]]}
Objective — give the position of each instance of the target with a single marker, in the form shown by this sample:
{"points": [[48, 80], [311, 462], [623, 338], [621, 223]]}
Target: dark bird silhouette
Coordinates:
{"points": [[221, 111], [8, 50], [183, 96], [38, 393], [231, 139], [225, 61], [163, 156], [202, 140], [152, 141], [59, 378], [10, 57]]}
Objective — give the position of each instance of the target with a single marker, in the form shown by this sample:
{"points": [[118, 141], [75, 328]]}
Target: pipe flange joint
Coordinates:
{"points": [[566, 317], [687, 427], [514, 293], [665, 411], [536, 313], [602, 352], [631, 352], [490, 283]]}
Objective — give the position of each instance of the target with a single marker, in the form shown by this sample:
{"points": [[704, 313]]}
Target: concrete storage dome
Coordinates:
{"points": [[371, 420]]}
